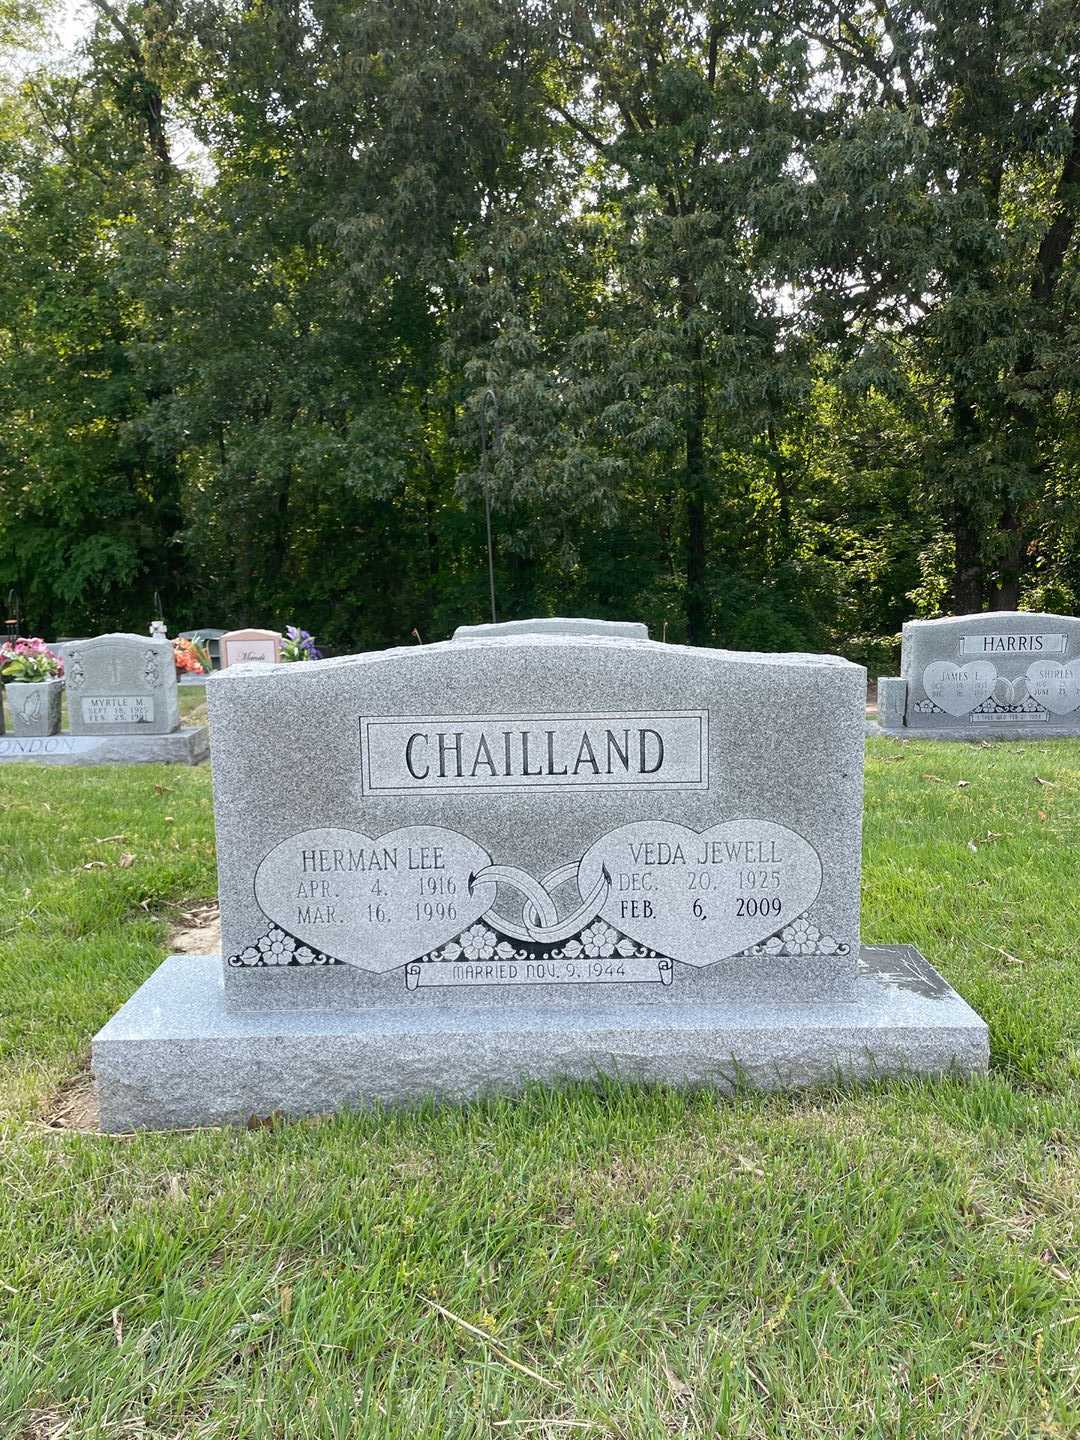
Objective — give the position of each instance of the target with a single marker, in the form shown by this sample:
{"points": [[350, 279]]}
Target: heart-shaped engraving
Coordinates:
{"points": [[1010, 692], [700, 897], [1055, 686], [374, 903], [957, 689]]}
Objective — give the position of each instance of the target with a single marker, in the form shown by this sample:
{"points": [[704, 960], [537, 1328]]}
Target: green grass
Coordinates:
{"points": [[896, 1261]]}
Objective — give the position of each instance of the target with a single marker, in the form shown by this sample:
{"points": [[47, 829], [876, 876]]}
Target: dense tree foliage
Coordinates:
{"points": [[754, 321]]}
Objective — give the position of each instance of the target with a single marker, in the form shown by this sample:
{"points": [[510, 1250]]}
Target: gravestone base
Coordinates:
{"points": [[187, 746], [174, 1056], [972, 734]]}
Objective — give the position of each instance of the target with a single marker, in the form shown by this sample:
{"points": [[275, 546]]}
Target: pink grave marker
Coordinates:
{"points": [[240, 647]]}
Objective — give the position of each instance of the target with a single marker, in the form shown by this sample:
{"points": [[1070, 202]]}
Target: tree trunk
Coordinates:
{"points": [[1006, 593], [968, 576], [969, 571], [694, 489]]}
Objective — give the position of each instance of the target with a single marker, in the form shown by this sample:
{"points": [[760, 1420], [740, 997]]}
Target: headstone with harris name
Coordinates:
{"points": [[994, 675], [451, 868]]}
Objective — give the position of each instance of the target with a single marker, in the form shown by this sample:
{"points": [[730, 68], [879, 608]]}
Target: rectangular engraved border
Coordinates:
{"points": [[969, 644], [510, 788]]}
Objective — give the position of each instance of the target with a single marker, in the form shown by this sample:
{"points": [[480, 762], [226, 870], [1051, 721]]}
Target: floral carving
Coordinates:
{"points": [[1028, 706], [478, 942], [277, 947], [800, 938], [599, 940]]}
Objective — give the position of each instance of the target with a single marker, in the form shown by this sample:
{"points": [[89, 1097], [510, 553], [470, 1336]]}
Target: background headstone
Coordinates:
{"points": [[121, 685], [556, 625], [210, 638], [891, 700], [999, 674], [243, 647]]}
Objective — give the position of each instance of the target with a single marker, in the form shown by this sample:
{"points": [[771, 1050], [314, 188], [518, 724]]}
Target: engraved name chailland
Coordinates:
{"points": [[404, 755]]}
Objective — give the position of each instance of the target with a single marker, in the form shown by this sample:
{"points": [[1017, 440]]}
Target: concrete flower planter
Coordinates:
{"points": [[34, 706]]}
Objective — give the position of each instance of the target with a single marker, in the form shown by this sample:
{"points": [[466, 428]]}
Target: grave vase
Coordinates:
{"points": [[34, 706]]}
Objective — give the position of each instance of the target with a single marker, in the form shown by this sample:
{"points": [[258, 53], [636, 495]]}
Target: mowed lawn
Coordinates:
{"points": [[896, 1261]]}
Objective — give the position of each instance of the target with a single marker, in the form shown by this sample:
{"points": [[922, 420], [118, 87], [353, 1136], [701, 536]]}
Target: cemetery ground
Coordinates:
{"points": [[894, 1260]]}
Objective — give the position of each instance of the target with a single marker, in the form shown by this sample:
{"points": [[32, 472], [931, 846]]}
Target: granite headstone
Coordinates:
{"points": [[997, 675], [451, 868], [210, 638], [556, 625], [121, 685]]}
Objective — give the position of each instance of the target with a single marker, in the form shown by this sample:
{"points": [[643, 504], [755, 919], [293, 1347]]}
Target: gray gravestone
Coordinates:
{"points": [[121, 685], [187, 746], [450, 868], [210, 638], [611, 629], [999, 675]]}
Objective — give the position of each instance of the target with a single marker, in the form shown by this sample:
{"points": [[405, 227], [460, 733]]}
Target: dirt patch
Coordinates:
{"points": [[197, 931], [45, 1425], [75, 1105]]}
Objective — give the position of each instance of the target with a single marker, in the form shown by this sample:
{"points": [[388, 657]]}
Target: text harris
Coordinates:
{"points": [[1014, 643], [514, 752]]}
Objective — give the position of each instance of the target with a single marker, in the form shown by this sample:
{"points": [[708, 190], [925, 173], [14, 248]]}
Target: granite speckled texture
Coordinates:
{"points": [[121, 684], [189, 746], [34, 706], [769, 746], [996, 675], [176, 1055], [891, 700]]}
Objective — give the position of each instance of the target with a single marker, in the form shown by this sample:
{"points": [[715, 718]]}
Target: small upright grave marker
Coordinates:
{"points": [[452, 868], [210, 639], [243, 647]]}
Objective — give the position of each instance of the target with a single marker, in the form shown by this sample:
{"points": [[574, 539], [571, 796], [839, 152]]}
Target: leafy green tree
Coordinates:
{"points": [[768, 314], [945, 164]]}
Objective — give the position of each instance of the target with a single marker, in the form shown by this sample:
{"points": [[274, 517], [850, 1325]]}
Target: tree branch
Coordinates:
{"points": [[583, 130], [122, 28], [63, 143]]}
